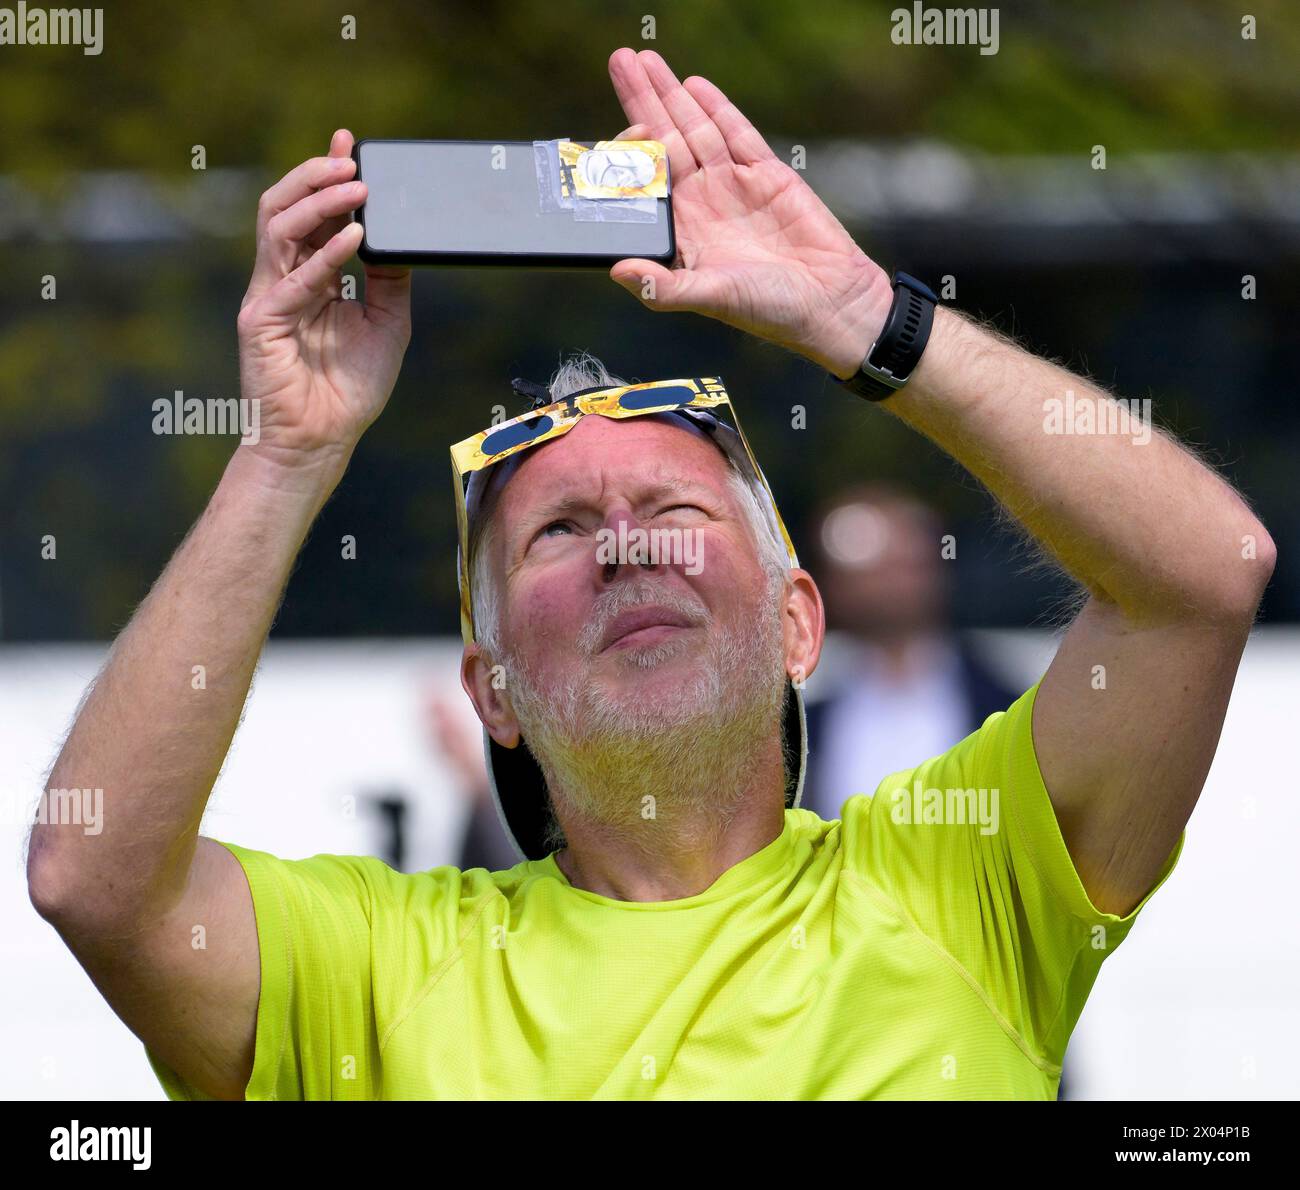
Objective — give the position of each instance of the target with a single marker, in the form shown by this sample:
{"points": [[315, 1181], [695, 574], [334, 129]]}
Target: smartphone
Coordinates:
{"points": [[455, 202]]}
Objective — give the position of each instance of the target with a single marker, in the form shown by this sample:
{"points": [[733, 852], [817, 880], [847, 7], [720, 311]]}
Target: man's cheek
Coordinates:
{"points": [[730, 591], [544, 615]]}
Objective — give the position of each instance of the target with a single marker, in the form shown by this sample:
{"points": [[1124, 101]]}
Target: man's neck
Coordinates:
{"points": [[678, 853]]}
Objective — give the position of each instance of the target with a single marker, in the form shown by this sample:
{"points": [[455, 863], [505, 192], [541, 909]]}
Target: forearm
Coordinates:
{"points": [[155, 728], [1131, 515]]}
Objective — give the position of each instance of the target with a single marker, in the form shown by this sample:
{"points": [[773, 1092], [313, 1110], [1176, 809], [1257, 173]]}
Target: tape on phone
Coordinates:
{"points": [[612, 181]]}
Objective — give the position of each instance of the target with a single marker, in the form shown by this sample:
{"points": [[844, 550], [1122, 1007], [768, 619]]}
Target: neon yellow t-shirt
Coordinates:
{"points": [[881, 955]]}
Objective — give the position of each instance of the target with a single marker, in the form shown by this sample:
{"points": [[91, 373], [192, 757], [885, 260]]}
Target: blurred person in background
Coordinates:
{"points": [[459, 749], [901, 682]]}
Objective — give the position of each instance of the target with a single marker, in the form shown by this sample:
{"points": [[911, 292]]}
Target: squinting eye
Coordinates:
{"points": [[546, 532]]}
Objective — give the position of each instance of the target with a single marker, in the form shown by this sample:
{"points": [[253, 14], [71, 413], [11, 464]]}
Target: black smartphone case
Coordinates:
{"points": [[502, 259]]}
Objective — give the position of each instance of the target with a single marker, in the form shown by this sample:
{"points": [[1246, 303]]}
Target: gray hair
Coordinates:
{"points": [[580, 371]]}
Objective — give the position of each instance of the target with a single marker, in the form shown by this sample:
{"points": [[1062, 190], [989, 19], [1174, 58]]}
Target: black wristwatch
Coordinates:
{"points": [[894, 355]]}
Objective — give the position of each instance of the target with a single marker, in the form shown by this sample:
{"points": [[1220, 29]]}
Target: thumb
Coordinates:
{"points": [[388, 291], [655, 286]]}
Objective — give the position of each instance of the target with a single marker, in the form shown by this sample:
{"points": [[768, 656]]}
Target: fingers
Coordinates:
{"points": [[701, 134], [320, 211], [341, 143], [388, 289], [635, 132], [308, 210], [313, 174], [299, 182], [275, 258], [307, 214], [340, 146], [309, 283], [744, 142], [289, 235], [642, 104], [655, 286]]}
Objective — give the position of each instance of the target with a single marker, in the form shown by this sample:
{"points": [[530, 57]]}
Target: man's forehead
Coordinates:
{"points": [[602, 451]]}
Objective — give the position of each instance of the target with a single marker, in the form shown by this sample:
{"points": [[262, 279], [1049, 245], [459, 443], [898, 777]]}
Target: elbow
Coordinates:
{"points": [[1259, 544], [1240, 586], [86, 897], [1267, 554], [76, 912], [47, 885], [53, 886]]}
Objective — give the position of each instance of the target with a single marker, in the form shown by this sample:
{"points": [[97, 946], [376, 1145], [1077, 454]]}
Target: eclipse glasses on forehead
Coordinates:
{"points": [[542, 424], [695, 400]]}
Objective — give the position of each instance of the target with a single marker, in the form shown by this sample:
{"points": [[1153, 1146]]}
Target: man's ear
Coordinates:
{"points": [[485, 683], [804, 621]]}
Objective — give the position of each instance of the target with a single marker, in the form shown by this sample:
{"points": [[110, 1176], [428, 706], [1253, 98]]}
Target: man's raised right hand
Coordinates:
{"points": [[321, 368]]}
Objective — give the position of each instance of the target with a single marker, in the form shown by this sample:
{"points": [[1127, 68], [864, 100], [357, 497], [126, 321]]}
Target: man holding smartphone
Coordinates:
{"points": [[724, 944]]}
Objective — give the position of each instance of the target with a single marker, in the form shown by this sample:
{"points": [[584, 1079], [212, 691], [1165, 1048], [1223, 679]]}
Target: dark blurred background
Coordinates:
{"points": [[940, 160]]}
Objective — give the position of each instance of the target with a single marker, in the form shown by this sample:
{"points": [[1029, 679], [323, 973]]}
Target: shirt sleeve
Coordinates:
{"points": [[316, 1028], [968, 849]]}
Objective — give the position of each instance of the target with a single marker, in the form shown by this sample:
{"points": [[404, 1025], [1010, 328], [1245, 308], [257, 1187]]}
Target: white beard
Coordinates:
{"points": [[658, 774]]}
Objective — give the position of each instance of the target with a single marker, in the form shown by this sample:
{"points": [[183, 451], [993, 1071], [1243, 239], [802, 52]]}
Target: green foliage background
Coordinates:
{"points": [[262, 86]]}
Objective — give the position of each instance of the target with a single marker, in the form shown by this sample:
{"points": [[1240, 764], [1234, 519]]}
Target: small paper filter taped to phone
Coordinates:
{"points": [[612, 181]]}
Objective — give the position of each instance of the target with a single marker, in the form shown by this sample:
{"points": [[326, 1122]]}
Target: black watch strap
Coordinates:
{"points": [[894, 355]]}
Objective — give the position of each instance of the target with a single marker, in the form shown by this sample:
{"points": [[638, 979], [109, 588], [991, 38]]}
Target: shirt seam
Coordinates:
{"points": [[1047, 882], [439, 971], [1085, 923], [1076, 951], [1063, 998], [1042, 1063]]}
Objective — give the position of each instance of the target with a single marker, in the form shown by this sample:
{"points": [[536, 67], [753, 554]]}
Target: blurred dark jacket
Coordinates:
{"points": [[981, 692]]}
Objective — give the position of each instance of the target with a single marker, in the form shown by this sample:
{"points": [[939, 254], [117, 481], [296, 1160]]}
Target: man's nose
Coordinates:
{"points": [[626, 543]]}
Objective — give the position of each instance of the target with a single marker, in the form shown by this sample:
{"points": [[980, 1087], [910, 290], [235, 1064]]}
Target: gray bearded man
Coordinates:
{"points": [[678, 926]]}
